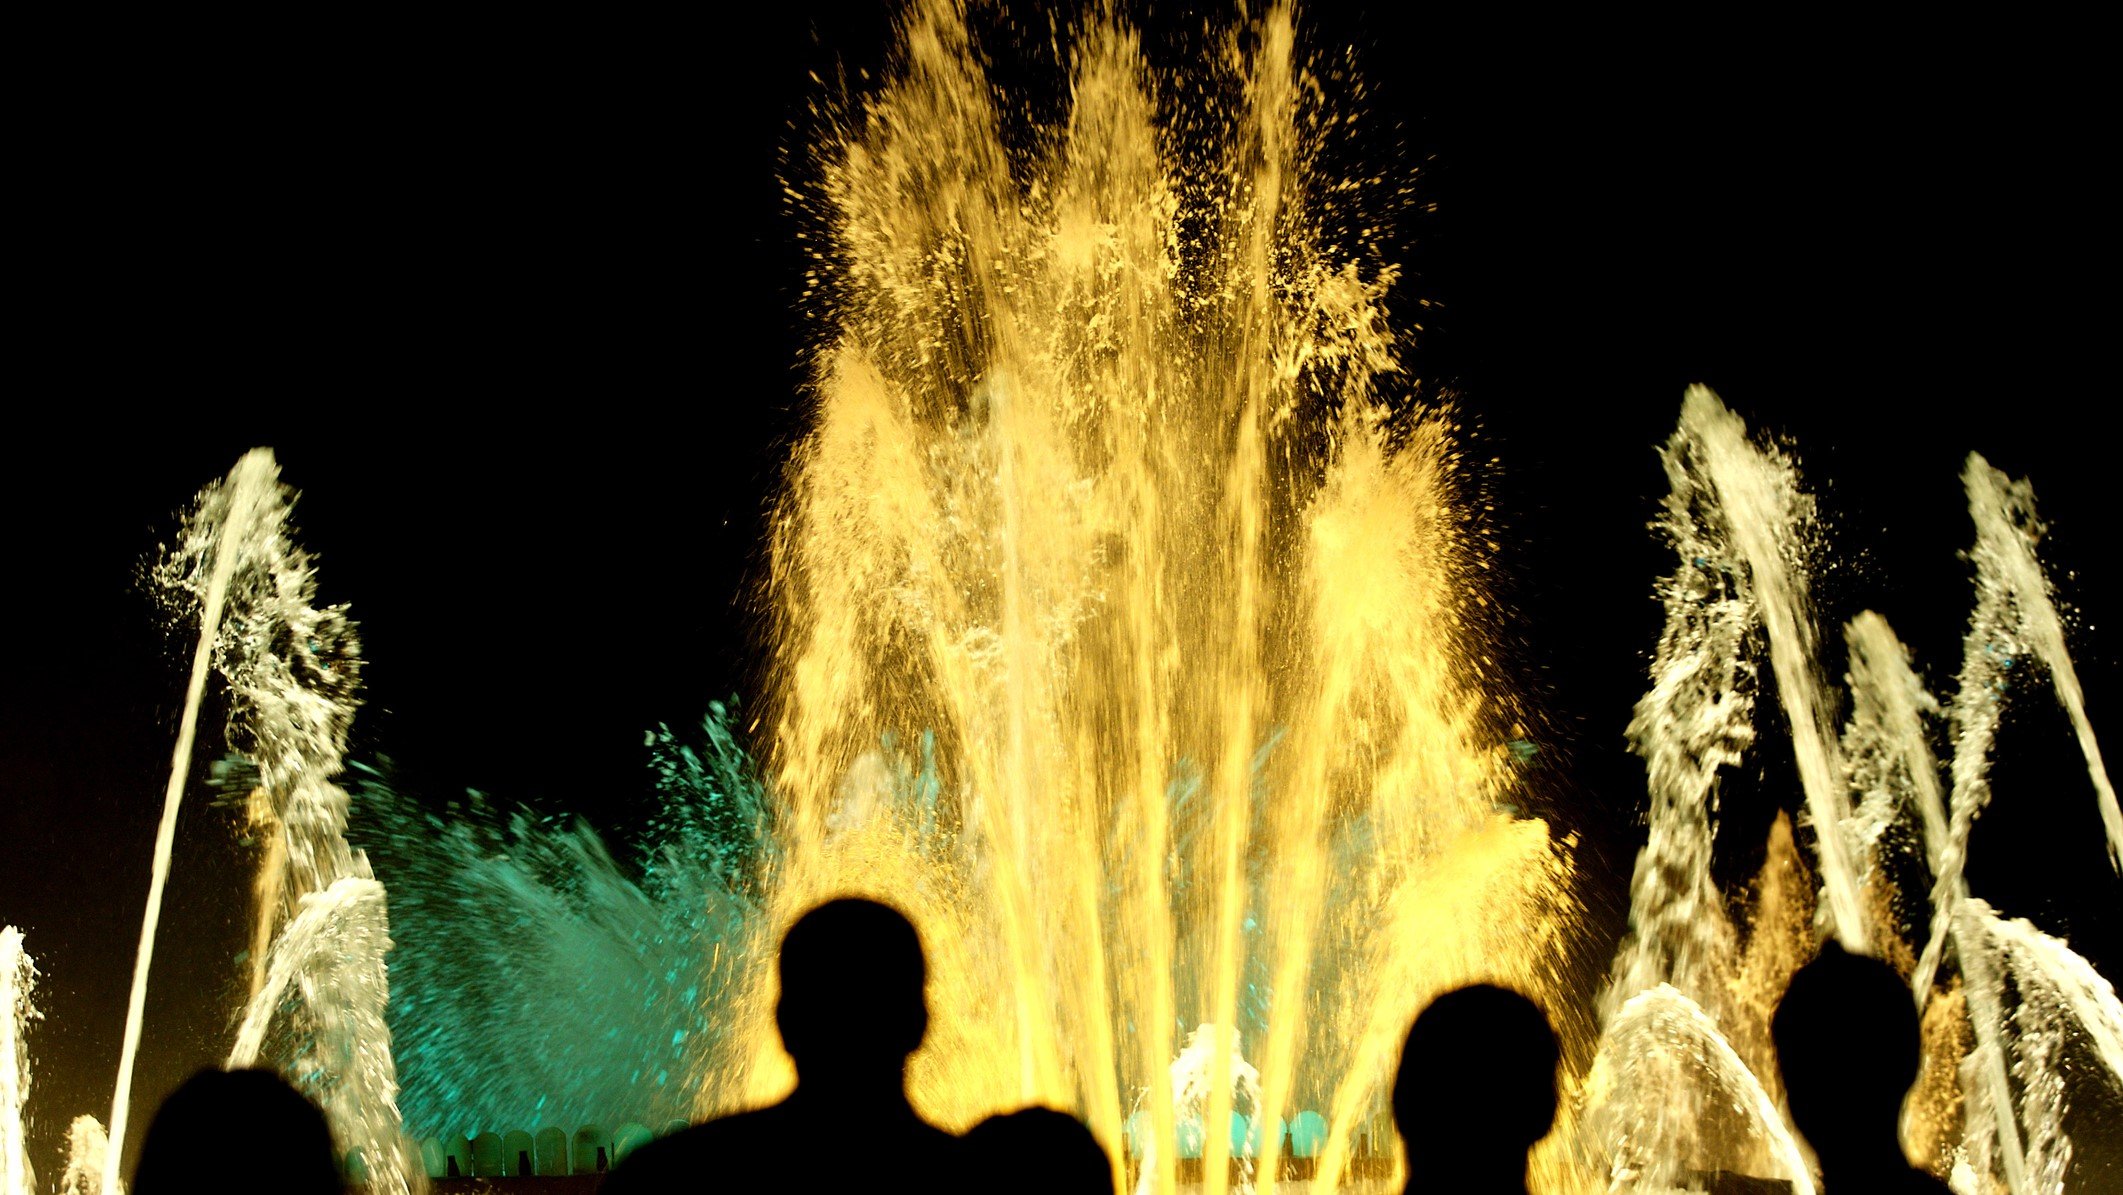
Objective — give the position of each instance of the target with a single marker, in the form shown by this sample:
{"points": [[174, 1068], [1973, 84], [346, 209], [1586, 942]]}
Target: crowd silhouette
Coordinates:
{"points": [[1475, 1091]]}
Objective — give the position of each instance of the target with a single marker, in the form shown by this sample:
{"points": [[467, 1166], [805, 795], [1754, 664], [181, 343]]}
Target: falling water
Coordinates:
{"points": [[2055, 998], [1668, 1093], [1892, 763], [18, 983], [1769, 518], [2007, 530], [1666, 1083], [216, 539], [293, 674], [1115, 491], [327, 963]]}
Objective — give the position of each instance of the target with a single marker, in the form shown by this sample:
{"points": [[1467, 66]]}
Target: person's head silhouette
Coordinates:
{"points": [[1038, 1151], [1475, 1090], [237, 1131], [1848, 1040], [853, 1000]]}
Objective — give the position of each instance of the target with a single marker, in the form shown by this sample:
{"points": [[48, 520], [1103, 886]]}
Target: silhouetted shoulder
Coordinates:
{"points": [[706, 1157], [777, 1148], [1042, 1151]]}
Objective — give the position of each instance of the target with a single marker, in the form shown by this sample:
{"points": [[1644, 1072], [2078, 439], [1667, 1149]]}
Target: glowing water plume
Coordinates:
{"points": [[18, 983], [88, 1152], [216, 537], [293, 673], [1114, 493]]}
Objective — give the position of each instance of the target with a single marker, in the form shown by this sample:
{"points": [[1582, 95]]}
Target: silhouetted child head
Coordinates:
{"points": [[1477, 1081], [1847, 1038], [853, 1000], [1037, 1151], [238, 1132]]}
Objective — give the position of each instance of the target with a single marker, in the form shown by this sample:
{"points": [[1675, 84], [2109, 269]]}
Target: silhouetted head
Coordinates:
{"points": [[853, 1004], [1037, 1151], [1477, 1082], [1848, 1039], [239, 1132]]}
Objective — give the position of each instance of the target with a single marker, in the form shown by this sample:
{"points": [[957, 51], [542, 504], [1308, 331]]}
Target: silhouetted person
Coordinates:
{"points": [[1475, 1090], [243, 1132], [1848, 1042], [1038, 1151], [853, 1007]]}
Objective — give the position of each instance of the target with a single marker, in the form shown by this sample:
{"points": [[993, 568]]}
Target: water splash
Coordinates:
{"points": [[534, 983], [1192, 1073], [18, 984], [1115, 489], [293, 673], [216, 538], [2010, 576], [2031, 1004]]}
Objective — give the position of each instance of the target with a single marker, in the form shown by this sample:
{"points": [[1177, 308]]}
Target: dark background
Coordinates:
{"points": [[513, 303]]}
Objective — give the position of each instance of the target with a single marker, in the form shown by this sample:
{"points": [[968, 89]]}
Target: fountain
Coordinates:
{"points": [[318, 974], [1116, 489], [1744, 529], [18, 982], [1129, 630]]}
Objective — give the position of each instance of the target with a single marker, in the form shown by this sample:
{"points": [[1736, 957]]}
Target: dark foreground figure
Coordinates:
{"points": [[1475, 1090], [853, 1007], [1848, 1041], [240, 1133], [1038, 1151]]}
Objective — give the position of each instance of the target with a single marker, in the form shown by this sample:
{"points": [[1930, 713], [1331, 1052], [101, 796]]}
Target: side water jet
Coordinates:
{"points": [[18, 984], [1769, 518], [2007, 530], [293, 674], [2035, 1010], [232, 508]]}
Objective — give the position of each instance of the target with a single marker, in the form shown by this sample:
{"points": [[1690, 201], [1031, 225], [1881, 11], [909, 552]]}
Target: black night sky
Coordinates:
{"points": [[514, 303]]}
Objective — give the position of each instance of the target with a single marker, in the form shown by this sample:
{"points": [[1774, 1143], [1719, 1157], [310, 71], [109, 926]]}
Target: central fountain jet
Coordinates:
{"points": [[1118, 503]]}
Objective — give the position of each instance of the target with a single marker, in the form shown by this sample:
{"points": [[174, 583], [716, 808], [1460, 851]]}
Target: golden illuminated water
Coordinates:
{"points": [[1117, 508]]}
